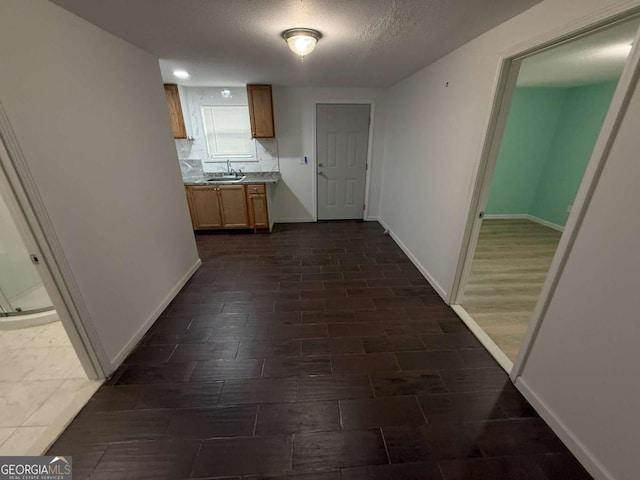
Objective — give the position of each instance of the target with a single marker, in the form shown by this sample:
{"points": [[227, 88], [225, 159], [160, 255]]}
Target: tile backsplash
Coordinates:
{"points": [[266, 156]]}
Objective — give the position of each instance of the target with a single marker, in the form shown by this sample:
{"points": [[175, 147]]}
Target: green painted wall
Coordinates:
{"points": [[547, 144], [576, 136], [531, 126]]}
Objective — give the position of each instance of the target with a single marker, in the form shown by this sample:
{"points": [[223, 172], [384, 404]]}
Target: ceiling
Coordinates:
{"points": [[594, 58], [366, 43]]}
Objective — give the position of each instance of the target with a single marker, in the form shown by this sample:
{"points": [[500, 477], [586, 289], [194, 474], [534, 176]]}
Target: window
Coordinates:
{"points": [[227, 131]]}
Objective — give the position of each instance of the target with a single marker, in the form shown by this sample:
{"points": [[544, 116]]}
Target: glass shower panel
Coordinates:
{"points": [[21, 289]]}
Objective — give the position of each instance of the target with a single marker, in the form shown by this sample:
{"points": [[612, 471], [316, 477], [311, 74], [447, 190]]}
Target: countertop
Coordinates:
{"points": [[250, 178]]}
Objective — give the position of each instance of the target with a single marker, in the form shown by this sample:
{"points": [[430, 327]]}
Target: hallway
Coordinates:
{"points": [[318, 352]]}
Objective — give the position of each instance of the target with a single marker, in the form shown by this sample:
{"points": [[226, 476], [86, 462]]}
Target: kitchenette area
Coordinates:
{"points": [[228, 154]]}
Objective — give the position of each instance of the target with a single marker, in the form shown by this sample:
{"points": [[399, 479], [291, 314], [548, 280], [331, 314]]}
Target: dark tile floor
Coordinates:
{"points": [[318, 352]]}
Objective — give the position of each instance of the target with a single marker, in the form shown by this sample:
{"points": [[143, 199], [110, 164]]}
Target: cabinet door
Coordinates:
{"points": [[175, 110], [261, 111], [257, 204], [233, 204], [205, 207]]}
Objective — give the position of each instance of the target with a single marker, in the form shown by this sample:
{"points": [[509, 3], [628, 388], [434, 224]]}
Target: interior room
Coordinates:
{"points": [[256, 222], [557, 109], [42, 382]]}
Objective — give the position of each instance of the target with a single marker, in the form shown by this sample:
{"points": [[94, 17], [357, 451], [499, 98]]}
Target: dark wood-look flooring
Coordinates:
{"points": [[318, 352]]}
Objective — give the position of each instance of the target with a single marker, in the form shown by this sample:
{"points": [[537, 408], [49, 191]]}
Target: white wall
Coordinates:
{"points": [[434, 136], [585, 361], [294, 112], [89, 112]]}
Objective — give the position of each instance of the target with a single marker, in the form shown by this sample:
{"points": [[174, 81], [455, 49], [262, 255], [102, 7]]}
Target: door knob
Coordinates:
{"points": [[320, 174], [320, 165]]}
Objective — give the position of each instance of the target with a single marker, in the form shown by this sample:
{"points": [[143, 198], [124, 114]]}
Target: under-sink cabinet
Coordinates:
{"points": [[228, 207]]}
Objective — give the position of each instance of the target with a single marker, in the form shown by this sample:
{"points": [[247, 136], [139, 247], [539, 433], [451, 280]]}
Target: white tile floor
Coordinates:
{"points": [[42, 387]]}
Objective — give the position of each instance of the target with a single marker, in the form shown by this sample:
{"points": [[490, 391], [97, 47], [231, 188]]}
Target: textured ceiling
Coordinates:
{"points": [[598, 57], [366, 43]]}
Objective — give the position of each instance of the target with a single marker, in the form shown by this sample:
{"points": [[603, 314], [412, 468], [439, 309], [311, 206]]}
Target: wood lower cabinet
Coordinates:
{"points": [[233, 205], [257, 203], [204, 205], [228, 206]]}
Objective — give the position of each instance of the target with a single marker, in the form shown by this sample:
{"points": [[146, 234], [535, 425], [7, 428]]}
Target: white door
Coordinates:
{"points": [[342, 139]]}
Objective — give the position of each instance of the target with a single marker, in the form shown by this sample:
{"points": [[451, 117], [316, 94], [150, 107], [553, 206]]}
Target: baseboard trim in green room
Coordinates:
{"points": [[525, 216]]}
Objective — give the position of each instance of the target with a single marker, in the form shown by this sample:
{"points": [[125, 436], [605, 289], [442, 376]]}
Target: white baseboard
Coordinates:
{"points": [[372, 219], [546, 223], [579, 450], [294, 220], [131, 344], [524, 216], [441, 291], [506, 216], [484, 339]]}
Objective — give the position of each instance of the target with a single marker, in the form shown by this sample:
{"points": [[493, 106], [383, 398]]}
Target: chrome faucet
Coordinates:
{"points": [[228, 166]]}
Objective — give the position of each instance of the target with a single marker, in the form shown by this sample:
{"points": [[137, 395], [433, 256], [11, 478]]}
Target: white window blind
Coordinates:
{"points": [[227, 130]]}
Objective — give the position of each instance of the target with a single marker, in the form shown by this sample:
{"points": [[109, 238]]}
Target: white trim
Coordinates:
{"points": [[372, 116], [135, 339], [506, 216], [546, 223], [572, 442], [486, 341], [372, 219], [40, 237], [523, 216], [295, 220], [441, 291]]}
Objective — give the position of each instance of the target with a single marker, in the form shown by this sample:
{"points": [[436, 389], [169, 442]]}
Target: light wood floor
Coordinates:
{"points": [[509, 267]]}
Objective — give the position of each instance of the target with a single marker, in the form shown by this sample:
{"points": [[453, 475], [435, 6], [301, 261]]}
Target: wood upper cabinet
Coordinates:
{"points": [[204, 206], [233, 205], [261, 111], [175, 110], [257, 204]]}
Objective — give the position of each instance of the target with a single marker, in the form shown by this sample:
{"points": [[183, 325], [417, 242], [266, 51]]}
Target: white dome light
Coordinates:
{"points": [[301, 41], [181, 73]]}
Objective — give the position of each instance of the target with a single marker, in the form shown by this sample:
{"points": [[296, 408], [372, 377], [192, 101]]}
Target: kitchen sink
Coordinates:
{"points": [[225, 179]]}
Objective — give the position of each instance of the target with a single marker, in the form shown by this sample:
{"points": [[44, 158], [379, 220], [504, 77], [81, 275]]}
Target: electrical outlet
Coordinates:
{"points": [[569, 208]]}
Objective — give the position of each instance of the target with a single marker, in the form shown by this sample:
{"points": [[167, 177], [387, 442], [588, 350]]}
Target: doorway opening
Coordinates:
{"points": [[342, 153], [46, 373], [555, 102]]}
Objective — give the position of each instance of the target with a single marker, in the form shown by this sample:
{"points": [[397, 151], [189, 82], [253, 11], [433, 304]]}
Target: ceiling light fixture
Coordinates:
{"points": [[181, 73], [301, 41]]}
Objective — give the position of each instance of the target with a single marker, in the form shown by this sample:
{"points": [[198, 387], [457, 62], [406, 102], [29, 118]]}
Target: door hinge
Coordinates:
{"points": [[481, 215], [34, 259], [364, 207], [366, 166]]}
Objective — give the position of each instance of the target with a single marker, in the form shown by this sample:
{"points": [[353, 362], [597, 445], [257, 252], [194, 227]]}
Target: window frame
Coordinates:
{"points": [[222, 158]]}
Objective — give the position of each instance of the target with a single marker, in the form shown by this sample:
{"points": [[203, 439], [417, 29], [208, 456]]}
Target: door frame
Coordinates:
{"points": [[28, 210], [367, 184], [504, 85]]}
